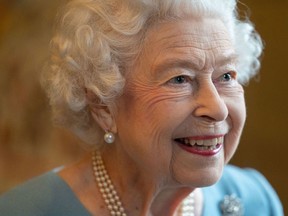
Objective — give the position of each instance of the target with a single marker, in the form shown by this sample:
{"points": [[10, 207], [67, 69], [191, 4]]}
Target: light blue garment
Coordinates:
{"points": [[49, 195], [255, 192], [46, 195]]}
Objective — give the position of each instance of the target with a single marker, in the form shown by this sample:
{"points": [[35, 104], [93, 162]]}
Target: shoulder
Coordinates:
{"points": [[43, 195], [249, 187]]}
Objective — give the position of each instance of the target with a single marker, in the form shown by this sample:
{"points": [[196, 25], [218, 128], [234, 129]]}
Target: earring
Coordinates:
{"points": [[109, 137]]}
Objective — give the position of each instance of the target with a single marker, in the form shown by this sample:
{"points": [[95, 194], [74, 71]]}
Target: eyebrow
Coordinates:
{"points": [[175, 63], [191, 64], [232, 57]]}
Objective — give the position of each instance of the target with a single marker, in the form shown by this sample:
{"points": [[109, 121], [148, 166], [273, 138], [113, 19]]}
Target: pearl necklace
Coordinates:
{"points": [[111, 197], [187, 206], [106, 187]]}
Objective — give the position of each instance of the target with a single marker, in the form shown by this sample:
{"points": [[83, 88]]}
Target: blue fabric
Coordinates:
{"points": [[254, 191], [49, 195]]}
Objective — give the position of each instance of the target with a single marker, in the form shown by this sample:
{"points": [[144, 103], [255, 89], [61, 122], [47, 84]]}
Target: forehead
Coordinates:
{"points": [[191, 31], [190, 40]]}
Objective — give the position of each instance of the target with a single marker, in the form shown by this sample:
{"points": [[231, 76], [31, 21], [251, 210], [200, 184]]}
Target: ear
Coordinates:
{"points": [[101, 113]]}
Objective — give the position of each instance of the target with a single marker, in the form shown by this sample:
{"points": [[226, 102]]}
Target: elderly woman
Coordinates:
{"points": [[154, 87]]}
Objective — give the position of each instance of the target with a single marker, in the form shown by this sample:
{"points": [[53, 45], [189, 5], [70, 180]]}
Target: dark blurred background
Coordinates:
{"points": [[30, 144]]}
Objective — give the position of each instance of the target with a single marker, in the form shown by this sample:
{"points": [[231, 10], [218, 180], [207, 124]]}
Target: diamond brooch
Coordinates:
{"points": [[232, 206]]}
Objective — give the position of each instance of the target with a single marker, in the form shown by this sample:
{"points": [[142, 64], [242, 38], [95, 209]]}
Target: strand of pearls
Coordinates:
{"points": [[111, 197], [106, 187], [188, 205]]}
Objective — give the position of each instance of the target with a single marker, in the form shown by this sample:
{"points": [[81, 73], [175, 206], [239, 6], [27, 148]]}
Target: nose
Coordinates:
{"points": [[210, 105]]}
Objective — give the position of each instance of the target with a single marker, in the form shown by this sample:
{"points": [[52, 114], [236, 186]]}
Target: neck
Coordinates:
{"points": [[169, 200], [139, 192]]}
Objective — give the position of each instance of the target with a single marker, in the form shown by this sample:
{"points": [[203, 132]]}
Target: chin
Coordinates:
{"points": [[200, 178], [209, 179]]}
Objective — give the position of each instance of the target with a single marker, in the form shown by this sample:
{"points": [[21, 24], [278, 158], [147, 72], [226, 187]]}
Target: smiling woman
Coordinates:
{"points": [[198, 92], [160, 81]]}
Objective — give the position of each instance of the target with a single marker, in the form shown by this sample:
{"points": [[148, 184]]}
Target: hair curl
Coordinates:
{"points": [[96, 40]]}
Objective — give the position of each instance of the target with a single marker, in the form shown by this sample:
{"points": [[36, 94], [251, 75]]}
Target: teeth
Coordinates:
{"points": [[200, 142], [214, 141], [192, 142], [220, 140], [207, 143]]}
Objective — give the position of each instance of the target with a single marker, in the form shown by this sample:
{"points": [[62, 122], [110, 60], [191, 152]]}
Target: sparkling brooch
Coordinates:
{"points": [[232, 206]]}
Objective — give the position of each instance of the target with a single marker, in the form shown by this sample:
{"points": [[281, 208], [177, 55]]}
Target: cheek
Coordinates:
{"points": [[237, 116], [238, 108], [152, 116], [154, 105], [146, 121]]}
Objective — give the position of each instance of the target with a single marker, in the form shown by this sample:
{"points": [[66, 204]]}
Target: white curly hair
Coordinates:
{"points": [[95, 40]]}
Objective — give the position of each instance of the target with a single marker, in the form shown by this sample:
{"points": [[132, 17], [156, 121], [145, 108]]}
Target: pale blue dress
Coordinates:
{"points": [[49, 195]]}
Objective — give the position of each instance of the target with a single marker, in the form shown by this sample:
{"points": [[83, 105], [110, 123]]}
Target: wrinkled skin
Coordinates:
{"points": [[184, 84]]}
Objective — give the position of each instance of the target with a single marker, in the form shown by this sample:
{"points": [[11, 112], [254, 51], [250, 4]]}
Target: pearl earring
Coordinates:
{"points": [[109, 137]]}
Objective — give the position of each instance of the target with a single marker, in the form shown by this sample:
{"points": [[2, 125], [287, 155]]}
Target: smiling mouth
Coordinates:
{"points": [[206, 146]]}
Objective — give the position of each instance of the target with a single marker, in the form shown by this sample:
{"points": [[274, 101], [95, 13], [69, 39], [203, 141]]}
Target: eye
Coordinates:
{"points": [[227, 77], [179, 80]]}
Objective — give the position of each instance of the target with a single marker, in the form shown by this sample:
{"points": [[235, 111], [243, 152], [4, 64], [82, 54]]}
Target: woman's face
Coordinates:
{"points": [[182, 111]]}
